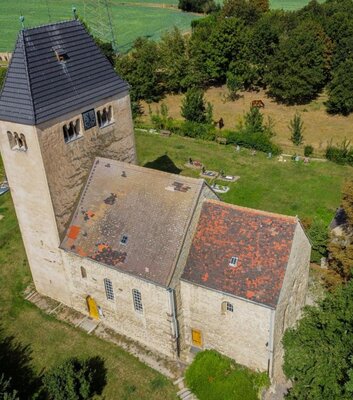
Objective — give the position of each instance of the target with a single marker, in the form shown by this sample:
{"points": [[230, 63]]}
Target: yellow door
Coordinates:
{"points": [[196, 337], [92, 307]]}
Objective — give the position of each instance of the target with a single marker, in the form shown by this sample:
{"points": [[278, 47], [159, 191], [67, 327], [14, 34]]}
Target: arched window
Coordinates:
{"points": [[71, 131], [83, 272], [136, 296], [105, 116], [17, 141], [12, 140], [23, 143]]}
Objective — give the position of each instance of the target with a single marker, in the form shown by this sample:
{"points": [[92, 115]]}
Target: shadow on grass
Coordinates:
{"points": [[164, 163], [15, 364], [99, 374]]}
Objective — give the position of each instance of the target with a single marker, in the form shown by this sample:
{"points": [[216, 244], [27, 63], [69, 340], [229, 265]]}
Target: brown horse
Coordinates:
{"points": [[258, 104]]}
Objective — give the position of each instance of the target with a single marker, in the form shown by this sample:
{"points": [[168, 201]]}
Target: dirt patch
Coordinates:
{"points": [[319, 127]]}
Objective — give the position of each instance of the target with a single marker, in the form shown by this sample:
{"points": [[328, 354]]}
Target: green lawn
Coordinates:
{"points": [[129, 21], [306, 190], [51, 341], [212, 376]]}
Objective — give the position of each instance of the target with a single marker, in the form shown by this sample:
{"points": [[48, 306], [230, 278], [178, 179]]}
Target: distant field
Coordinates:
{"points": [[130, 20]]}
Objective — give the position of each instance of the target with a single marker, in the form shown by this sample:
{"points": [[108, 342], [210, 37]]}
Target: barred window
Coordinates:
{"points": [[230, 307], [109, 292], [136, 295], [227, 307]]}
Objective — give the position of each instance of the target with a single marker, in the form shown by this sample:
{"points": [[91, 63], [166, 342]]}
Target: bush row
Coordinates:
{"points": [[341, 153]]}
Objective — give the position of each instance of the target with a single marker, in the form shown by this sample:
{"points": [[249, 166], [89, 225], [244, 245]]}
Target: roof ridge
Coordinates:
{"points": [[199, 181], [51, 24], [28, 76], [253, 210]]}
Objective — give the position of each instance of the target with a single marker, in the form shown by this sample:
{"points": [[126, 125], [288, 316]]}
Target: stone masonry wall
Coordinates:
{"points": [[242, 335], [67, 164], [206, 193], [152, 328], [292, 297], [31, 197]]}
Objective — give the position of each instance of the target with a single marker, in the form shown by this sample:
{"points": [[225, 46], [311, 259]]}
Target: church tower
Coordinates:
{"points": [[61, 106]]}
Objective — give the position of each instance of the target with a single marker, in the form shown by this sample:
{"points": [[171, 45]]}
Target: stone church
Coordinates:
{"points": [[155, 256]]}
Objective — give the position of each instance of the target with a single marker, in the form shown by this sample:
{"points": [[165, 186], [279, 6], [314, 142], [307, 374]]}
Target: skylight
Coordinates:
{"points": [[233, 261], [123, 239]]}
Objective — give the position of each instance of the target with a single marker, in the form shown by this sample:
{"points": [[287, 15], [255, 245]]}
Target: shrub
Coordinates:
{"points": [[257, 141], [212, 376], [340, 154], [196, 130], [308, 150]]}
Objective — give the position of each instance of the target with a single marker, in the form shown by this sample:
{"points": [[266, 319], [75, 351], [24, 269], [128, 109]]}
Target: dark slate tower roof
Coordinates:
{"points": [[39, 87]]}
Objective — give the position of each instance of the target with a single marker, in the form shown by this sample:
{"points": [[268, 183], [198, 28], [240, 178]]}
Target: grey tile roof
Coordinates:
{"points": [[152, 208], [38, 87]]}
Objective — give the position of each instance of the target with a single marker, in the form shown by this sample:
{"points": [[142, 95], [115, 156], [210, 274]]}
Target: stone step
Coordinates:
{"points": [[180, 380]]}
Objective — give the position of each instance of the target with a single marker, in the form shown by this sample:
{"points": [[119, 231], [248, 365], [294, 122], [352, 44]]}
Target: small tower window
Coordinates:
{"points": [[105, 116], [71, 131], [17, 141], [109, 292], [136, 296], [233, 262]]}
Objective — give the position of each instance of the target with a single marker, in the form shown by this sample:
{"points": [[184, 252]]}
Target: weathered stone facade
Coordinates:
{"points": [[67, 165], [46, 179], [292, 297], [243, 334], [152, 328]]}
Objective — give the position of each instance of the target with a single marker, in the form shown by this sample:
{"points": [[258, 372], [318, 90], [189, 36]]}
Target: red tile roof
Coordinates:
{"points": [[260, 240]]}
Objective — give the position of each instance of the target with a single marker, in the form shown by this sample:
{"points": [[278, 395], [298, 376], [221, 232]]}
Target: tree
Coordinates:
{"points": [[341, 245], [298, 68], [340, 89], [296, 128], [318, 234], [248, 11], [193, 106], [70, 380], [254, 121], [199, 6], [318, 352], [141, 68], [173, 60]]}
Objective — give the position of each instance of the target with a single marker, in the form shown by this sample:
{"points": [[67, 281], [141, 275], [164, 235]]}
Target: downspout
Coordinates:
{"points": [[175, 329], [270, 344]]}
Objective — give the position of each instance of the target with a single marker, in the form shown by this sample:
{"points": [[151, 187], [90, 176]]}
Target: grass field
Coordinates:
{"points": [[129, 21], [319, 127], [131, 18], [51, 341], [307, 190]]}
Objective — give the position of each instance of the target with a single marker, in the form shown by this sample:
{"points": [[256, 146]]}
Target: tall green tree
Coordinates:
{"points": [[173, 60], [141, 68], [193, 106], [298, 69], [296, 127], [340, 89], [318, 352], [254, 121], [318, 234]]}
